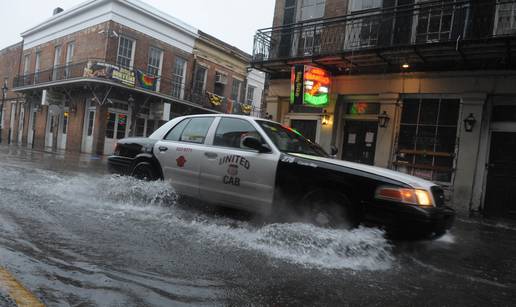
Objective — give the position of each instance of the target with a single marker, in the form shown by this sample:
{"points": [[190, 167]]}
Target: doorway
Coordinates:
{"points": [[117, 128], [501, 176], [359, 142]]}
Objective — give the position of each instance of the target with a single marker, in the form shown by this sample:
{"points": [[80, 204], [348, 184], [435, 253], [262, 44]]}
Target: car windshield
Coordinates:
{"points": [[290, 141]]}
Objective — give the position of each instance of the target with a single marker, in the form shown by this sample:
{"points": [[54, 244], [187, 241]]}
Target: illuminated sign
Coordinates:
{"points": [[310, 86]]}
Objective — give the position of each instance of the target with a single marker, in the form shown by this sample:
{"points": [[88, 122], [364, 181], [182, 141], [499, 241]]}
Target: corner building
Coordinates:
{"points": [[422, 87], [108, 69]]}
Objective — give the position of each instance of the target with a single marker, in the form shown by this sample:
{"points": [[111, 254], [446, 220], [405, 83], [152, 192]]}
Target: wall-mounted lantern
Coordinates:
{"points": [[325, 119], [383, 119], [469, 122]]}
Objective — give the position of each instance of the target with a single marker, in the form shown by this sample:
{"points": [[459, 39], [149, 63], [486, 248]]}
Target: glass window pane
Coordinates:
{"points": [[425, 138], [446, 137], [231, 132], [504, 114], [429, 110], [110, 127], [196, 130], [140, 127], [175, 133], [449, 112], [121, 126], [410, 111], [407, 137]]}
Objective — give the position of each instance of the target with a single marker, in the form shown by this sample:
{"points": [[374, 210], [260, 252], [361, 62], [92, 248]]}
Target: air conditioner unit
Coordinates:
{"points": [[220, 78]]}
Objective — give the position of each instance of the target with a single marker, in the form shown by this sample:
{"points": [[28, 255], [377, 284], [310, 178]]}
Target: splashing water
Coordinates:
{"points": [[297, 243]]}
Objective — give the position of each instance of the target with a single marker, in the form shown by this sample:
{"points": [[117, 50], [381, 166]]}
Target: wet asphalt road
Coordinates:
{"points": [[76, 236]]}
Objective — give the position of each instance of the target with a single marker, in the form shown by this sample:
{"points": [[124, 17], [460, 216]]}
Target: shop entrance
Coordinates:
{"points": [[501, 176], [359, 142]]}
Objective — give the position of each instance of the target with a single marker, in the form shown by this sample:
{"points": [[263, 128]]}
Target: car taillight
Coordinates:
{"points": [[403, 195]]}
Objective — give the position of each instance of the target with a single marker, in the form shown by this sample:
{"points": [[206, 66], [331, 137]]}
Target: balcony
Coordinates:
{"points": [[92, 73], [435, 35]]}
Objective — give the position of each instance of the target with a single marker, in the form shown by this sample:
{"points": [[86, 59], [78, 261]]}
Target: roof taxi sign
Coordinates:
{"points": [[310, 86]]}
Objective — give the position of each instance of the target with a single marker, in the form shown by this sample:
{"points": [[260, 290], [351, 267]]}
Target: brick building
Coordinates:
{"points": [[106, 70], [423, 87]]}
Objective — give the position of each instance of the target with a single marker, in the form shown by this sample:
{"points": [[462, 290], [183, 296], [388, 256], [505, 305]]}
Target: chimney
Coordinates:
{"points": [[57, 10]]}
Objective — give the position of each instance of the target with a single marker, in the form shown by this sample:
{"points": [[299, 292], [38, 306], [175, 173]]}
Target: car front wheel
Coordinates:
{"points": [[144, 171], [329, 210]]}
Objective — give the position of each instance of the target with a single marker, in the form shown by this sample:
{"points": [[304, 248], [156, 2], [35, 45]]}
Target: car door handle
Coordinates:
{"points": [[210, 155], [163, 148]]}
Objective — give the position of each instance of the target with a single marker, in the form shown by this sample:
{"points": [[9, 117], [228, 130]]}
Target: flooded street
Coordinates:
{"points": [[75, 235]]}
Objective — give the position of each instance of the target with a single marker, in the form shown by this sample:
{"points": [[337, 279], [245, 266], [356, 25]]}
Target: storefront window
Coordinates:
{"points": [[427, 138]]}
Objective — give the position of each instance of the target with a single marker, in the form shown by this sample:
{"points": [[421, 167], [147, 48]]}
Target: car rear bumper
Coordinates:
{"points": [[413, 219], [119, 165]]}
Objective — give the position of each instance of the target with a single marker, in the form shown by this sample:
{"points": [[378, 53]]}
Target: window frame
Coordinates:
{"points": [[239, 91], [219, 122], [411, 168], [118, 56], [189, 119], [175, 77]]}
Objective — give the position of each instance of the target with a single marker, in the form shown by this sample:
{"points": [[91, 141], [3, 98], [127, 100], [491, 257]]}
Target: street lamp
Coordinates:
{"points": [[4, 93], [383, 119], [469, 122]]}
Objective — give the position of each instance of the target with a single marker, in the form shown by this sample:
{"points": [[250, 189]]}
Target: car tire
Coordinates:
{"points": [[329, 210], [144, 171]]}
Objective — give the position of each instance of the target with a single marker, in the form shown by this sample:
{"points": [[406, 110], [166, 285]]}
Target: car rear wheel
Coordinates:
{"points": [[329, 210], [144, 171]]}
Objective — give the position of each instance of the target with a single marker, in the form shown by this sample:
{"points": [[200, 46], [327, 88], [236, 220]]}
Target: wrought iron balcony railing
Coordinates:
{"points": [[423, 23], [99, 69]]}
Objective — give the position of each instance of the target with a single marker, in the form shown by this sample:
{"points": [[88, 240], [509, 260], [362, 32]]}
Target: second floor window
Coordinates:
{"points": [[506, 19], [178, 78], [125, 52], [199, 80], [155, 58], [250, 94], [37, 66], [235, 90], [57, 61], [311, 9], [70, 49], [434, 23], [26, 64]]}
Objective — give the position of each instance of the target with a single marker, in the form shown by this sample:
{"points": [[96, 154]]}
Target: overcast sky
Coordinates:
{"points": [[233, 21]]}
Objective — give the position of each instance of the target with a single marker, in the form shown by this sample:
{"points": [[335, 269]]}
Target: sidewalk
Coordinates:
{"points": [[53, 160]]}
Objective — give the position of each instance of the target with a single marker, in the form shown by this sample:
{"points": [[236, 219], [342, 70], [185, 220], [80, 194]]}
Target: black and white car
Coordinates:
{"points": [[261, 166]]}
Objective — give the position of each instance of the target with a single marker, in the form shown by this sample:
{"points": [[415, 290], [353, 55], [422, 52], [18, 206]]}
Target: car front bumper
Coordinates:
{"points": [[411, 219], [119, 165]]}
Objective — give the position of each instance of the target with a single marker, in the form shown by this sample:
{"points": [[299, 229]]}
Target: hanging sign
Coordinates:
{"points": [[310, 86], [124, 76]]}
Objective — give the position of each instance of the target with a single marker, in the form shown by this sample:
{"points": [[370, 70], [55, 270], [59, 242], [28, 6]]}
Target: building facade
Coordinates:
{"points": [[422, 87], [107, 69]]}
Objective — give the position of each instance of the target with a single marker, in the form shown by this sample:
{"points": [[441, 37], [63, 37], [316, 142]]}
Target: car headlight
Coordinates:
{"points": [[408, 196]]}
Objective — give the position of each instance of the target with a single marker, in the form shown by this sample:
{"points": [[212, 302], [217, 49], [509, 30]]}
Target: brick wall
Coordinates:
{"points": [[89, 44], [141, 55]]}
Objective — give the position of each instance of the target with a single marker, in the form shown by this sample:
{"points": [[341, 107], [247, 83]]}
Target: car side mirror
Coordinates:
{"points": [[334, 150], [254, 143]]}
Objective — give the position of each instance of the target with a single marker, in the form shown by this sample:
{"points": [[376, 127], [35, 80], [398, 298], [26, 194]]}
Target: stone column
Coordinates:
{"points": [[467, 155], [385, 139]]}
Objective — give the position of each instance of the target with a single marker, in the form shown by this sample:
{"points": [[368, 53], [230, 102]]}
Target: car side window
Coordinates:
{"points": [[196, 130], [231, 132], [175, 133]]}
